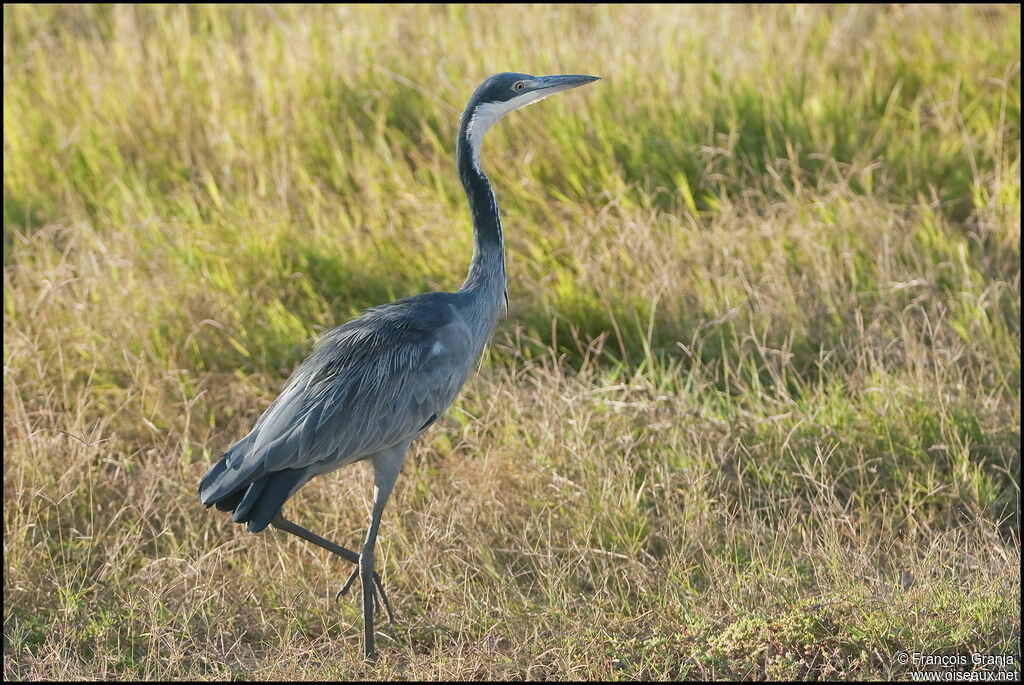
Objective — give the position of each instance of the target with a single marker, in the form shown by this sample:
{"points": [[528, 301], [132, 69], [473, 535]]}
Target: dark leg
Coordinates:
{"points": [[376, 579], [386, 466], [281, 523]]}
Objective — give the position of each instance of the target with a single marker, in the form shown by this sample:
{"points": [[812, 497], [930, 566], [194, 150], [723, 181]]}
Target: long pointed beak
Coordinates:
{"points": [[548, 85], [543, 86]]}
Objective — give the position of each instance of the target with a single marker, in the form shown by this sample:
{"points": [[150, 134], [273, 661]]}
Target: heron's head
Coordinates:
{"points": [[505, 92]]}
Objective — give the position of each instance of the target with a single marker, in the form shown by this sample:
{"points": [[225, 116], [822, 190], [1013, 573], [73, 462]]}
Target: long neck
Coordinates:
{"points": [[486, 278]]}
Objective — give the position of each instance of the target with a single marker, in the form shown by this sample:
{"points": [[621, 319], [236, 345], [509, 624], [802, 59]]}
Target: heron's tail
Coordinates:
{"points": [[254, 497]]}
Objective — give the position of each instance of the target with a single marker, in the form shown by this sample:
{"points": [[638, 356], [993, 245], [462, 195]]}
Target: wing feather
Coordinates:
{"points": [[372, 383]]}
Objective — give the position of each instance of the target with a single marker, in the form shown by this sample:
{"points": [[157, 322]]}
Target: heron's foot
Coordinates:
{"points": [[379, 596]]}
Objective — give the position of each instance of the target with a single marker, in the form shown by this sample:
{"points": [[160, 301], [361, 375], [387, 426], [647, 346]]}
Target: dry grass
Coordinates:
{"points": [[754, 412]]}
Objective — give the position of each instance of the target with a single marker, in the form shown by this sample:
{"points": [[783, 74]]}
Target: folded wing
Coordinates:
{"points": [[378, 380]]}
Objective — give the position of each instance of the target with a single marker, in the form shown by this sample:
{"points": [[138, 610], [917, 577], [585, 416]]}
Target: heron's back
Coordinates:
{"points": [[370, 384]]}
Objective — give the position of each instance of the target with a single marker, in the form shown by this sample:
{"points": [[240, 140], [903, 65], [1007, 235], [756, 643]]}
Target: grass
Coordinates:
{"points": [[754, 412]]}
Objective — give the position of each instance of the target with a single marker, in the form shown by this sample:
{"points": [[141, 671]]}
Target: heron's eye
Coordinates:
{"points": [[519, 85]]}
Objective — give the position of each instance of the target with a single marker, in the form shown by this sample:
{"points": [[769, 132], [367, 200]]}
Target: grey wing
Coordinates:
{"points": [[380, 379], [393, 399], [335, 414]]}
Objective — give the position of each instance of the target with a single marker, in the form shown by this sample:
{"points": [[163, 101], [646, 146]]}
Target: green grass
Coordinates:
{"points": [[754, 412]]}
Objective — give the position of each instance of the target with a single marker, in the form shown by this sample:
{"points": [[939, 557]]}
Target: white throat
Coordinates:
{"points": [[488, 114]]}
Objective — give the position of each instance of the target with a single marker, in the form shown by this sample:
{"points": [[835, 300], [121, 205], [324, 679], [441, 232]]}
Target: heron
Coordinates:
{"points": [[375, 384]]}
